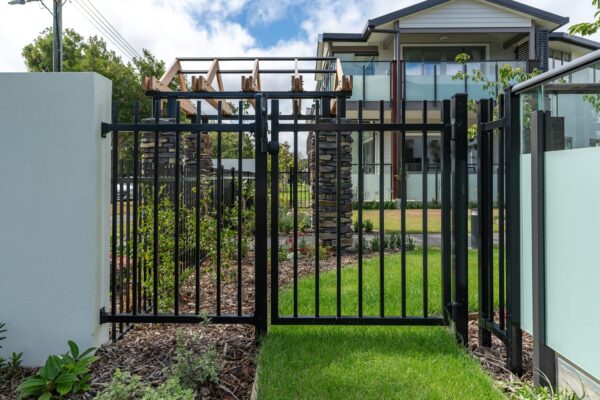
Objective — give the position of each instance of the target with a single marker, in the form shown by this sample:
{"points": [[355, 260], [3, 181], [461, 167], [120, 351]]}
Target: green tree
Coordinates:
{"points": [[588, 28], [507, 75], [92, 54]]}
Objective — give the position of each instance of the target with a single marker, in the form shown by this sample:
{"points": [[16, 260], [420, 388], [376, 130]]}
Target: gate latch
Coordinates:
{"points": [[273, 147]]}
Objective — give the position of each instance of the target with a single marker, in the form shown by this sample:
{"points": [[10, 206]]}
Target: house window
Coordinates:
{"points": [[558, 58], [368, 150], [421, 60]]}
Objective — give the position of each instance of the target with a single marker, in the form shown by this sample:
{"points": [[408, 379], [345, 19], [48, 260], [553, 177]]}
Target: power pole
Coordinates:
{"points": [[57, 56], [56, 29]]}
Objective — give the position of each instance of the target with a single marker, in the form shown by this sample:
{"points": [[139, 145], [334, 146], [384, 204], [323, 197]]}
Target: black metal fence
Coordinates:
{"points": [[191, 242], [502, 321]]}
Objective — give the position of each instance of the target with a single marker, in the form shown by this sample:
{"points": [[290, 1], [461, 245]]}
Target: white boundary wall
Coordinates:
{"points": [[54, 218]]}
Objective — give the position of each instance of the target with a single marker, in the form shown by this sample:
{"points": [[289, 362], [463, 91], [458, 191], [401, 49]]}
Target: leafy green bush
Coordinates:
{"points": [[375, 244], [172, 389], [194, 370], [368, 225], [60, 376], [410, 243], [125, 386]]}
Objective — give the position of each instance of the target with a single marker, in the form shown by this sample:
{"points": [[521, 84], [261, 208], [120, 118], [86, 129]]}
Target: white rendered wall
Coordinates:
{"points": [[55, 195]]}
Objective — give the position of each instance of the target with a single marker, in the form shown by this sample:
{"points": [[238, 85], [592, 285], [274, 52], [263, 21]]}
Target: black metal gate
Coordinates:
{"points": [[181, 254]]}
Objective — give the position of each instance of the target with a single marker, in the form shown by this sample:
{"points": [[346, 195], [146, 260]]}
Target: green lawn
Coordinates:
{"points": [[390, 362], [414, 287], [414, 220]]}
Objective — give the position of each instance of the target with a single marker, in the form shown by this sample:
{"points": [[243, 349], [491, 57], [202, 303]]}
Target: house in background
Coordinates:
{"points": [[409, 55]]}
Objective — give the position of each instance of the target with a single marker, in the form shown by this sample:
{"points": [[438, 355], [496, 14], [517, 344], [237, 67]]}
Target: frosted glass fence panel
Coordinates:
{"points": [[371, 80], [572, 267]]}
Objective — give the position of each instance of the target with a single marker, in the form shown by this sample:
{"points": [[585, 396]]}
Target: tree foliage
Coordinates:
{"points": [[91, 54], [588, 28]]}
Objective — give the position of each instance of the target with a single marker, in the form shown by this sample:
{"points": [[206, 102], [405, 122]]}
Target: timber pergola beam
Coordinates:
{"points": [[252, 83], [342, 83], [152, 84], [205, 84], [297, 86]]}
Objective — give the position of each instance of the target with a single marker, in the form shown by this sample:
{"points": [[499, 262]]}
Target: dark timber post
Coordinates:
{"points": [[260, 301], [484, 219], [544, 358], [459, 218], [512, 148]]}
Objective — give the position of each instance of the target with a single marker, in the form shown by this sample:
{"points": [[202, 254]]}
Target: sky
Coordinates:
{"points": [[211, 28]]}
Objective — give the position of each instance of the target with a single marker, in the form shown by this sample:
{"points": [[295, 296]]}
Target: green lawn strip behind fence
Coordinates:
{"points": [[414, 287], [370, 362], [414, 220]]}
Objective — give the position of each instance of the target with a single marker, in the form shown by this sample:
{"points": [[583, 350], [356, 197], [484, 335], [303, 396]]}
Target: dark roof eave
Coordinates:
{"points": [[575, 40]]}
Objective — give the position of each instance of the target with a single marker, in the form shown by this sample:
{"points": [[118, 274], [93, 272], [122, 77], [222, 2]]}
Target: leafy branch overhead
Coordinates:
{"points": [[507, 75]]}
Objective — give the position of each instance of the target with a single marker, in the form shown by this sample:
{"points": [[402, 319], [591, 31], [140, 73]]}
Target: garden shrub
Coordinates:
{"points": [[125, 386], [368, 225], [195, 370], [60, 376], [12, 366]]}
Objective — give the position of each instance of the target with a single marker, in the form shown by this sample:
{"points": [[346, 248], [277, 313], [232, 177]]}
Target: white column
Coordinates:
{"points": [[54, 211]]}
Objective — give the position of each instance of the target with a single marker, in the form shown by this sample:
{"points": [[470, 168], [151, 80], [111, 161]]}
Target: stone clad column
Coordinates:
{"points": [[166, 144], [328, 189]]}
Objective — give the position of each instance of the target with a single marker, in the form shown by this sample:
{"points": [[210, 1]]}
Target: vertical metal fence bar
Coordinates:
{"points": [[219, 201], [121, 238], [483, 184], [425, 171], [115, 160], [501, 221], [360, 210], [239, 209], [136, 145], [403, 176], [512, 136], [156, 193], [176, 201], [490, 213], [338, 187], [459, 218], [294, 183], [128, 238], [274, 210], [260, 253], [446, 210], [381, 213], [197, 200], [317, 206]]}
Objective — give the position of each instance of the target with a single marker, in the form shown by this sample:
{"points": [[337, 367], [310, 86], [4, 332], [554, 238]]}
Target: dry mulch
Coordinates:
{"points": [[493, 359]]}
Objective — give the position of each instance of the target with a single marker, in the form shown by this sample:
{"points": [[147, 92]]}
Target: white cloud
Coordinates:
{"points": [[208, 27]]}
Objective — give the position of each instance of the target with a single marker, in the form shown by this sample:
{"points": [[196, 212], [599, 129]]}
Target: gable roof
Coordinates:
{"points": [[575, 40], [427, 4], [510, 4]]}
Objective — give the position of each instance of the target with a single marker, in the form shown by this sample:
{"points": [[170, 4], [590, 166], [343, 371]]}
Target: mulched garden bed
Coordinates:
{"points": [[493, 359]]}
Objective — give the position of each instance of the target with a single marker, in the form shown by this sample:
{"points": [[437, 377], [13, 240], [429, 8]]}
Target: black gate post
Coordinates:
{"points": [[544, 358], [484, 220], [446, 210], [275, 212], [460, 300], [260, 210], [512, 149]]}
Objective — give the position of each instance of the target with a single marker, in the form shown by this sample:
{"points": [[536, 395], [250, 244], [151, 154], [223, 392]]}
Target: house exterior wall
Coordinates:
{"points": [[465, 14]]}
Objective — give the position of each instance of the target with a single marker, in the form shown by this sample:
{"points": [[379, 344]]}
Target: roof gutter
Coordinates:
{"points": [[570, 67]]}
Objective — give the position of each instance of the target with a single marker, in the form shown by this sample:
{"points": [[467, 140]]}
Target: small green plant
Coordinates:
{"points": [[526, 391], [172, 389], [410, 243], [368, 225], [195, 370], [375, 244], [125, 386], [395, 241], [2, 331], [60, 376]]}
